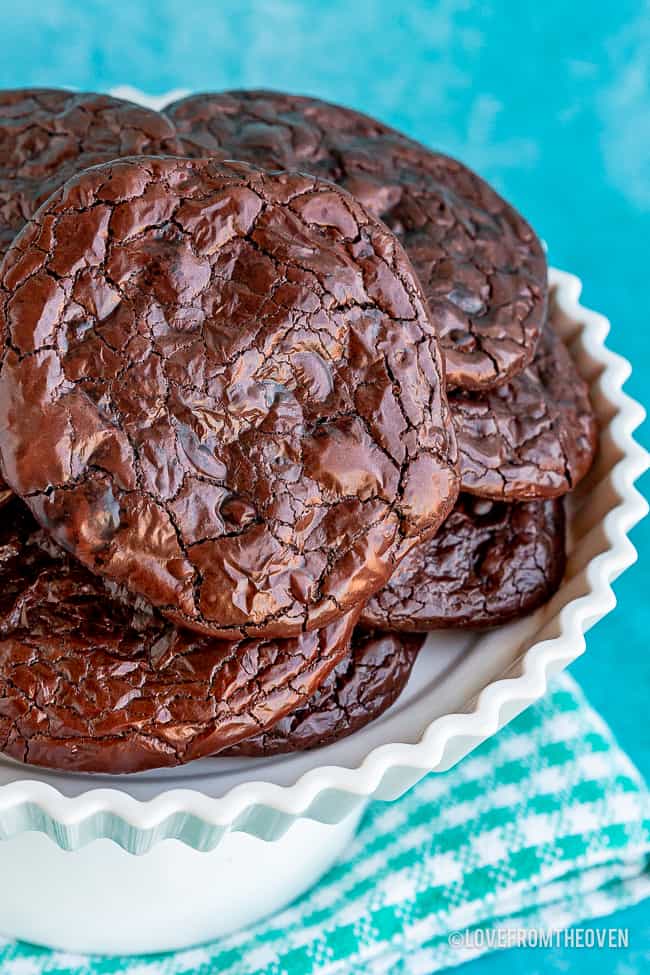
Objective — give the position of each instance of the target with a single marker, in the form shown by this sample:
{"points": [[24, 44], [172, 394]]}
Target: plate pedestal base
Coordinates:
{"points": [[103, 900]]}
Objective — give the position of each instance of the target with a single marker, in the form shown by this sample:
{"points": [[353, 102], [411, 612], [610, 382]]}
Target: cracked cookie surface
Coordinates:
{"points": [[481, 266], [359, 689], [48, 135], [535, 437], [490, 563], [221, 389], [93, 682]]}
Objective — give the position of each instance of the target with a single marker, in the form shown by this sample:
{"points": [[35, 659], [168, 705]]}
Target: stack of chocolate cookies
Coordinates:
{"points": [[280, 392]]}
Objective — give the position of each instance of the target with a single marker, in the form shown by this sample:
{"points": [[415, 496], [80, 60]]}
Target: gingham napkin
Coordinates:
{"points": [[546, 824]]}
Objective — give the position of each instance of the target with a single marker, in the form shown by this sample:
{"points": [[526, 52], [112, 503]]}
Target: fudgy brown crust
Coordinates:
{"points": [[91, 682], [490, 563], [359, 689], [535, 437], [48, 135], [221, 389], [481, 266]]}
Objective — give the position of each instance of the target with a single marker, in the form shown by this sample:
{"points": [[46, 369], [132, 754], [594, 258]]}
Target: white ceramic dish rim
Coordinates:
{"points": [[329, 793]]}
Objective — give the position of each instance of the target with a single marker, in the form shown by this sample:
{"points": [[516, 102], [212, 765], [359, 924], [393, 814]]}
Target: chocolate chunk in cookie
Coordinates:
{"points": [[91, 682], [48, 135], [490, 563], [360, 688], [481, 266], [221, 388]]}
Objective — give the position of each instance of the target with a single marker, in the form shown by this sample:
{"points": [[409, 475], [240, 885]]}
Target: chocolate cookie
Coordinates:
{"points": [[482, 267], [92, 683], [48, 135], [359, 689], [535, 437], [221, 388], [489, 563]]}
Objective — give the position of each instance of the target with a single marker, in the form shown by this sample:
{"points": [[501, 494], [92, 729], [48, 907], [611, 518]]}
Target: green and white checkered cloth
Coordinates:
{"points": [[546, 824]]}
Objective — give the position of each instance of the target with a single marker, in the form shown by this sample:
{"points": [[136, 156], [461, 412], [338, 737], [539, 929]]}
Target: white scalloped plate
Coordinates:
{"points": [[463, 689]]}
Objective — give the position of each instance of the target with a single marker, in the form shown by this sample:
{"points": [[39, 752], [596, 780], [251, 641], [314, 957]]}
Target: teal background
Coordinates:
{"points": [[549, 100]]}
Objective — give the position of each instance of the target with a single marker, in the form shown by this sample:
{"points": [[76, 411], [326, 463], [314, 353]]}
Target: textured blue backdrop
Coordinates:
{"points": [[548, 100]]}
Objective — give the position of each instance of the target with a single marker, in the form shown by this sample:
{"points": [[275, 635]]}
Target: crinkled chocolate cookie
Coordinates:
{"points": [[221, 389], [359, 689], [489, 563], [535, 437], [48, 135], [481, 266], [91, 682]]}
